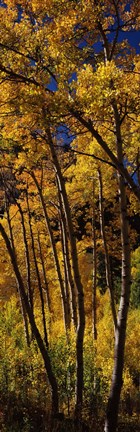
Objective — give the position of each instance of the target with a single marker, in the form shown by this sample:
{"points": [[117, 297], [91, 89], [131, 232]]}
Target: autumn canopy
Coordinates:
{"points": [[70, 179]]}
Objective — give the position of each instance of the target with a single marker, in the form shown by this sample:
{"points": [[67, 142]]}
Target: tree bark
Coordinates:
{"points": [[67, 261], [52, 242], [22, 306], [37, 274], [94, 282], [66, 283], [77, 279], [107, 261], [48, 298], [46, 289], [117, 377], [27, 257]]}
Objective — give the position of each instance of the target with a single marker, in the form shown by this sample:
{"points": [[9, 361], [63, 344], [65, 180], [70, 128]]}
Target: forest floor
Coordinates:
{"points": [[15, 418]]}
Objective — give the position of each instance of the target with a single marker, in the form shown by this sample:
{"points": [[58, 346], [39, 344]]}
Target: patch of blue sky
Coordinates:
{"points": [[134, 169], [53, 86]]}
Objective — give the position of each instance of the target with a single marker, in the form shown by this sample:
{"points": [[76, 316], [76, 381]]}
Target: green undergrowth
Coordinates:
{"points": [[25, 391]]}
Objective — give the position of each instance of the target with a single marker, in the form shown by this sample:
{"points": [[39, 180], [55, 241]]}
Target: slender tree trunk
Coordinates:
{"points": [[27, 257], [47, 291], [66, 283], [43, 349], [56, 260], [117, 377], [37, 274], [48, 298], [67, 261], [22, 306], [94, 285], [107, 261], [77, 279]]}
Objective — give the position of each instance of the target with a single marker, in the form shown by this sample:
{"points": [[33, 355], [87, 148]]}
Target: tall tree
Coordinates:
{"points": [[120, 336], [107, 260], [54, 251], [76, 274], [94, 288]]}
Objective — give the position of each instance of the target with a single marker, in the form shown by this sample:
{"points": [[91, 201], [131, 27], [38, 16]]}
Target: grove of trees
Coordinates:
{"points": [[69, 207]]}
